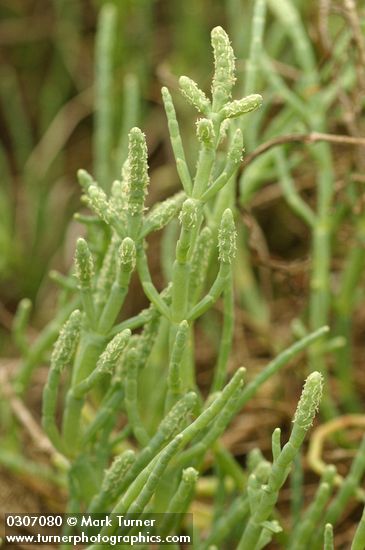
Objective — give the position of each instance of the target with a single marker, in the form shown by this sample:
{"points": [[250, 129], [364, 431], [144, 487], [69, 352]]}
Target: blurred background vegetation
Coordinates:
{"points": [[47, 104]]}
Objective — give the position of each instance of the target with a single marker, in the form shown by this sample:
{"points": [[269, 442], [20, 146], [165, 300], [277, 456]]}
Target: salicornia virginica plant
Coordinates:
{"points": [[132, 428]]}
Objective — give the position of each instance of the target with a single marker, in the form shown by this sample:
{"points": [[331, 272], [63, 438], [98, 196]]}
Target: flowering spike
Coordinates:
{"points": [[108, 359], [115, 474], [67, 340], [137, 173], [223, 130], [182, 334], [85, 179], [162, 213], [84, 264], [224, 74], [97, 201], [239, 107], [205, 132], [119, 196], [194, 95], [177, 354], [107, 273], [227, 238], [189, 214], [177, 415], [200, 262], [127, 254], [236, 148], [309, 401], [190, 475]]}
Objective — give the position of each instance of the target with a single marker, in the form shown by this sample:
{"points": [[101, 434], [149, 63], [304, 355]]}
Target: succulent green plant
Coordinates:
{"points": [[136, 431]]}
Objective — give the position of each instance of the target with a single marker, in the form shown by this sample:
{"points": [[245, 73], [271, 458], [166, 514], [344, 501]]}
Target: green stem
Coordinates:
{"points": [[147, 284], [106, 36], [345, 303], [303, 532], [358, 542], [131, 399], [220, 371], [177, 146], [87, 355], [213, 294], [106, 411], [328, 537], [346, 490]]}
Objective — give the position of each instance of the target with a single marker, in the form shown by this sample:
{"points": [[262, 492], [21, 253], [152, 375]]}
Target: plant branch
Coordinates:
{"points": [[312, 137]]}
